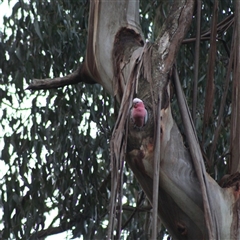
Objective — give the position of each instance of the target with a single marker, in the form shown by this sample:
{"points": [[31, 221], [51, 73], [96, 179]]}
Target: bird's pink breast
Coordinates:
{"points": [[138, 115]]}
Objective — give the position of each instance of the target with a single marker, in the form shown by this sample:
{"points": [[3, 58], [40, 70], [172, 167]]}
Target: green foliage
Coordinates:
{"points": [[55, 144]]}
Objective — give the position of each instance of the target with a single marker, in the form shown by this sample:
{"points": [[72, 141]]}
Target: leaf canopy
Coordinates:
{"points": [[55, 161]]}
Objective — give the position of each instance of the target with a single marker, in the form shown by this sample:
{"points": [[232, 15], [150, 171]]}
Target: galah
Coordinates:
{"points": [[139, 114]]}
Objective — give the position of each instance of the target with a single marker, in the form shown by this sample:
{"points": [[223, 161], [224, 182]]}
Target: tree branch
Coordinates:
{"points": [[52, 230], [196, 61], [75, 77], [136, 209], [222, 27]]}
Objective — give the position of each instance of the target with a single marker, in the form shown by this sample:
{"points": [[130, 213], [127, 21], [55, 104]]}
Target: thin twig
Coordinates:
{"points": [[120, 195], [210, 86], [222, 105], [196, 60], [136, 209], [222, 27], [139, 209], [53, 230]]}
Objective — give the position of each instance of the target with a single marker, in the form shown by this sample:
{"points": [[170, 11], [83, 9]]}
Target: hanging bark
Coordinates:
{"points": [[210, 88], [235, 117], [196, 61]]}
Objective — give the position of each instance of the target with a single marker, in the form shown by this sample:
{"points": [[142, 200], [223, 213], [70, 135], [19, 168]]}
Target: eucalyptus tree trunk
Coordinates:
{"points": [[189, 202]]}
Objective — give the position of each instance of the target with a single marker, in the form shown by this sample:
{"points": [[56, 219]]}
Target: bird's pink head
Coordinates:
{"points": [[137, 102]]}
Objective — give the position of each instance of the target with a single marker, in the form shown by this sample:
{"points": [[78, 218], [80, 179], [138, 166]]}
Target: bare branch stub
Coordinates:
{"points": [[75, 77]]}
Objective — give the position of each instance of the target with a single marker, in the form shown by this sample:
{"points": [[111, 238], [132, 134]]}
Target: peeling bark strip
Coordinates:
{"points": [[119, 139], [126, 41], [197, 161], [235, 115], [196, 61], [130, 75], [156, 165], [210, 88]]}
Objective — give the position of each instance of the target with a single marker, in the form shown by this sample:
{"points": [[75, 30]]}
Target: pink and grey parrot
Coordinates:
{"points": [[139, 114]]}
